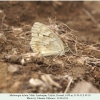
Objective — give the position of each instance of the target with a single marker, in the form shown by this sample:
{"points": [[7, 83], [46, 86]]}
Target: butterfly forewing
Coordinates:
{"points": [[45, 41]]}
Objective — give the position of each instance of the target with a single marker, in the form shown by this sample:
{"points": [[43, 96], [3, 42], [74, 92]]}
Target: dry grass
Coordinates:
{"points": [[16, 50]]}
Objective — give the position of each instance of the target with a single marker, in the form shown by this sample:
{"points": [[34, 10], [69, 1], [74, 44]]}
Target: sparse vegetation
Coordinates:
{"points": [[22, 70]]}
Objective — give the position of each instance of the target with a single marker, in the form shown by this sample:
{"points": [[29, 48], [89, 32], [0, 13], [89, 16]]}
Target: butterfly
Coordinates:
{"points": [[45, 41]]}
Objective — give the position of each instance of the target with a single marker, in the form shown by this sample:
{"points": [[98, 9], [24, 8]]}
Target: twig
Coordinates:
{"points": [[91, 17], [67, 88]]}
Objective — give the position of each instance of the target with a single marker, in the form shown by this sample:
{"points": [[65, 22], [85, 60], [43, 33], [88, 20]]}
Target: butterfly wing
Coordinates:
{"points": [[45, 41]]}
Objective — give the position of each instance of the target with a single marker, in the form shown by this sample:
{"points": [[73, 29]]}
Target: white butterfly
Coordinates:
{"points": [[45, 41]]}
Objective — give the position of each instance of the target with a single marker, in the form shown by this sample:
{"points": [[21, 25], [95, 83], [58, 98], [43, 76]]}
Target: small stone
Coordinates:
{"points": [[23, 61], [36, 82], [84, 87], [14, 68]]}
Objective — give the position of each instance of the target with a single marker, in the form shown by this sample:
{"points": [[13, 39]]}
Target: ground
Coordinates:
{"points": [[17, 18]]}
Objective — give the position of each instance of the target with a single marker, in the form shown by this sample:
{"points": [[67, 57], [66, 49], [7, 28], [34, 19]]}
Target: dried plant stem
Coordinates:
{"points": [[92, 18], [67, 88]]}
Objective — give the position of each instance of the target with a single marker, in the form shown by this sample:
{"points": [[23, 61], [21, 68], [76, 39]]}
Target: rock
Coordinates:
{"points": [[36, 82], [14, 68], [84, 87]]}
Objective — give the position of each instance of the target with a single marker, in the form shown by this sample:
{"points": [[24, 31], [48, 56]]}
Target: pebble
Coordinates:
{"points": [[14, 68], [84, 87], [36, 82]]}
